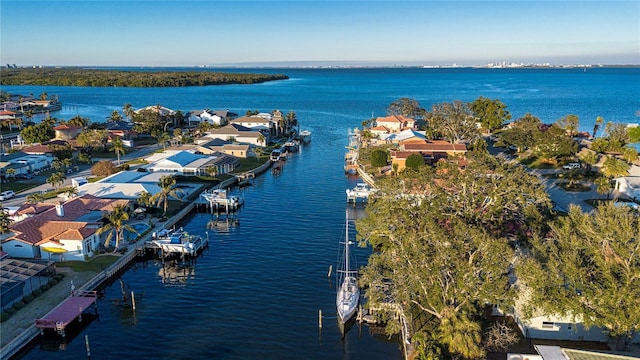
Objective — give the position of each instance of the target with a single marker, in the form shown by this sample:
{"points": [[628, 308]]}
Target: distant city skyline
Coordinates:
{"points": [[317, 33]]}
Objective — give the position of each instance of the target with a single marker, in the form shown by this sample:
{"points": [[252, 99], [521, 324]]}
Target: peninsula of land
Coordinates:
{"points": [[129, 78]]}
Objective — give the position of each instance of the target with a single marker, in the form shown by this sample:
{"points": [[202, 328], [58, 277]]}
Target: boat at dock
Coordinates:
{"points": [[360, 191], [292, 145], [305, 136], [348, 294], [177, 242], [217, 198], [276, 155]]}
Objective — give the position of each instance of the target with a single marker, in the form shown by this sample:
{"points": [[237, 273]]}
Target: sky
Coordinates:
{"points": [[317, 32]]}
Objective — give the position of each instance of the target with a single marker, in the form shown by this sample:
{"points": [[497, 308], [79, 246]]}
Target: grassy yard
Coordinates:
{"points": [[96, 264]]}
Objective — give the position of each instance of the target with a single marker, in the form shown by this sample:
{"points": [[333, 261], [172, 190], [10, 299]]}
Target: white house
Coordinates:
{"points": [[188, 163], [64, 232], [254, 123], [237, 133], [160, 110], [212, 117]]}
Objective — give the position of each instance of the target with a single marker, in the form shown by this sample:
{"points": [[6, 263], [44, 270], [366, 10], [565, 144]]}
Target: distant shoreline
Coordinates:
{"points": [[77, 76]]}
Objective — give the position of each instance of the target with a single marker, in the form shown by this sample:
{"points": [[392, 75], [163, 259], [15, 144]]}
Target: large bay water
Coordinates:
{"points": [[256, 292]]}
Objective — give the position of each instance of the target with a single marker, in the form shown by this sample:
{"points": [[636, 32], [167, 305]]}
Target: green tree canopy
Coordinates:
{"points": [[588, 268], [37, 133], [406, 107], [491, 113], [379, 158], [453, 121], [442, 240], [414, 161]]}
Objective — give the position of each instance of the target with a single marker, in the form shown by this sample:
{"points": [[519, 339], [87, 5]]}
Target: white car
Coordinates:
{"points": [[571, 166], [6, 195]]}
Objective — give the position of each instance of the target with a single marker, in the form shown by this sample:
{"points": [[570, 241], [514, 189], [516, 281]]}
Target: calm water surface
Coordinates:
{"points": [[255, 293]]}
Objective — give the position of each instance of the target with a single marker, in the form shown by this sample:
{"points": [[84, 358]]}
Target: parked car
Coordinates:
{"points": [[24, 176], [571, 166], [6, 195]]}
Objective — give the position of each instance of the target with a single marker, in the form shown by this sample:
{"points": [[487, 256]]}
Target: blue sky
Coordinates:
{"points": [[185, 33]]}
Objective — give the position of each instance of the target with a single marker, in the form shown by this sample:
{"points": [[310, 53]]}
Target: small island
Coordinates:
{"points": [[129, 78]]}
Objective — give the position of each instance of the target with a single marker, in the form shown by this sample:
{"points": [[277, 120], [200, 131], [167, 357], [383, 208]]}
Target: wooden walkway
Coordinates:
{"points": [[70, 309]]}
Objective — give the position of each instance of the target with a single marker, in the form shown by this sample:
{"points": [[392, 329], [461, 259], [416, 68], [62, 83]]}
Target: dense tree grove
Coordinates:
{"points": [[450, 240], [94, 77], [445, 240], [588, 268]]}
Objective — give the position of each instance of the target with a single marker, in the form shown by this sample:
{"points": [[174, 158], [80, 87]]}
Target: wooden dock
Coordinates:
{"points": [[60, 317]]}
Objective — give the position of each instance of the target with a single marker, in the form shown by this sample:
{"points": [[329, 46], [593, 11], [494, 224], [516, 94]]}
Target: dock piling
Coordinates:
{"points": [[86, 343], [330, 270], [133, 302], [320, 318]]}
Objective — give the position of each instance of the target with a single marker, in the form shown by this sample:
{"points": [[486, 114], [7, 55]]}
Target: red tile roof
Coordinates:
{"points": [[47, 225]]}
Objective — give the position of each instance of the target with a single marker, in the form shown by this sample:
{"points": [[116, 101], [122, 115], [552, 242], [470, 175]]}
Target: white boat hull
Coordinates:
{"points": [[347, 299]]}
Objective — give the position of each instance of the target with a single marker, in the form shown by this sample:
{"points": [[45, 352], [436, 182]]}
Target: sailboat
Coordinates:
{"points": [[348, 294]]}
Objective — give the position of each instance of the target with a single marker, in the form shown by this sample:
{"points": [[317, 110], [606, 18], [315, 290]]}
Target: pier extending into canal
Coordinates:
{"points": [[61, 316]]}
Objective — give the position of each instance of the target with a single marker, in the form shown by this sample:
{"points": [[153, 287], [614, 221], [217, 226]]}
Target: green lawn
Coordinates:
{"points": [[96, 264]]}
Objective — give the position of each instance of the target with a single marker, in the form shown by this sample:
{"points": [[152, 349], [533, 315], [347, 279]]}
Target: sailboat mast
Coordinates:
{"points": [[346, 246]]}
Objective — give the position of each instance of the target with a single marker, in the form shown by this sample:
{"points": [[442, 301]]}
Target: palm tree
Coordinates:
{"points": [[629, 154], [261, 139], [167, 189], [56, 179], [144, 199], [599, 122], [118, 147], [212, 170], [71, 192], [5, 221], [613, 168], [128, 111], [116, 224], [35, 198], [11, 172], [114, 117], [603, 186], [590, 158]]}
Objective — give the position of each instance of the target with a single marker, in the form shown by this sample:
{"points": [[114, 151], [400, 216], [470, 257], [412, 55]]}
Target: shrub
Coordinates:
{"points": [[19, 305], [4, 316], [58, 276], [37, 292], [53, 281], [29, 298], [10, 311], [45, 287]]}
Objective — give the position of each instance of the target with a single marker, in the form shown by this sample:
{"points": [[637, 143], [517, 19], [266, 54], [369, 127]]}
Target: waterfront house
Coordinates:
{"points": [[66, 231], [160, 110], [67, 132], [7, 115], [254, 123], [395, 123], [430, 150], [188, 163], [379, 132], [121, 129], [213, 117], [124, 185], [236, 133], [25, 163], [220, 146]]}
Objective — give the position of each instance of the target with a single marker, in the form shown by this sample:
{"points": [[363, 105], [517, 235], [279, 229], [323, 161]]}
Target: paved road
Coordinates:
{"points": [[561, 197]]}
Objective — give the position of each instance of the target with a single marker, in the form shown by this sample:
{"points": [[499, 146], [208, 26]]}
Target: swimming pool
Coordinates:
{"points": [[129, 236]]}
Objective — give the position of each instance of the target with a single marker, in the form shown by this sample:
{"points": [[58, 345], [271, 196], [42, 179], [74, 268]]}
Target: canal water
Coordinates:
{"points": [[256, 291]]}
